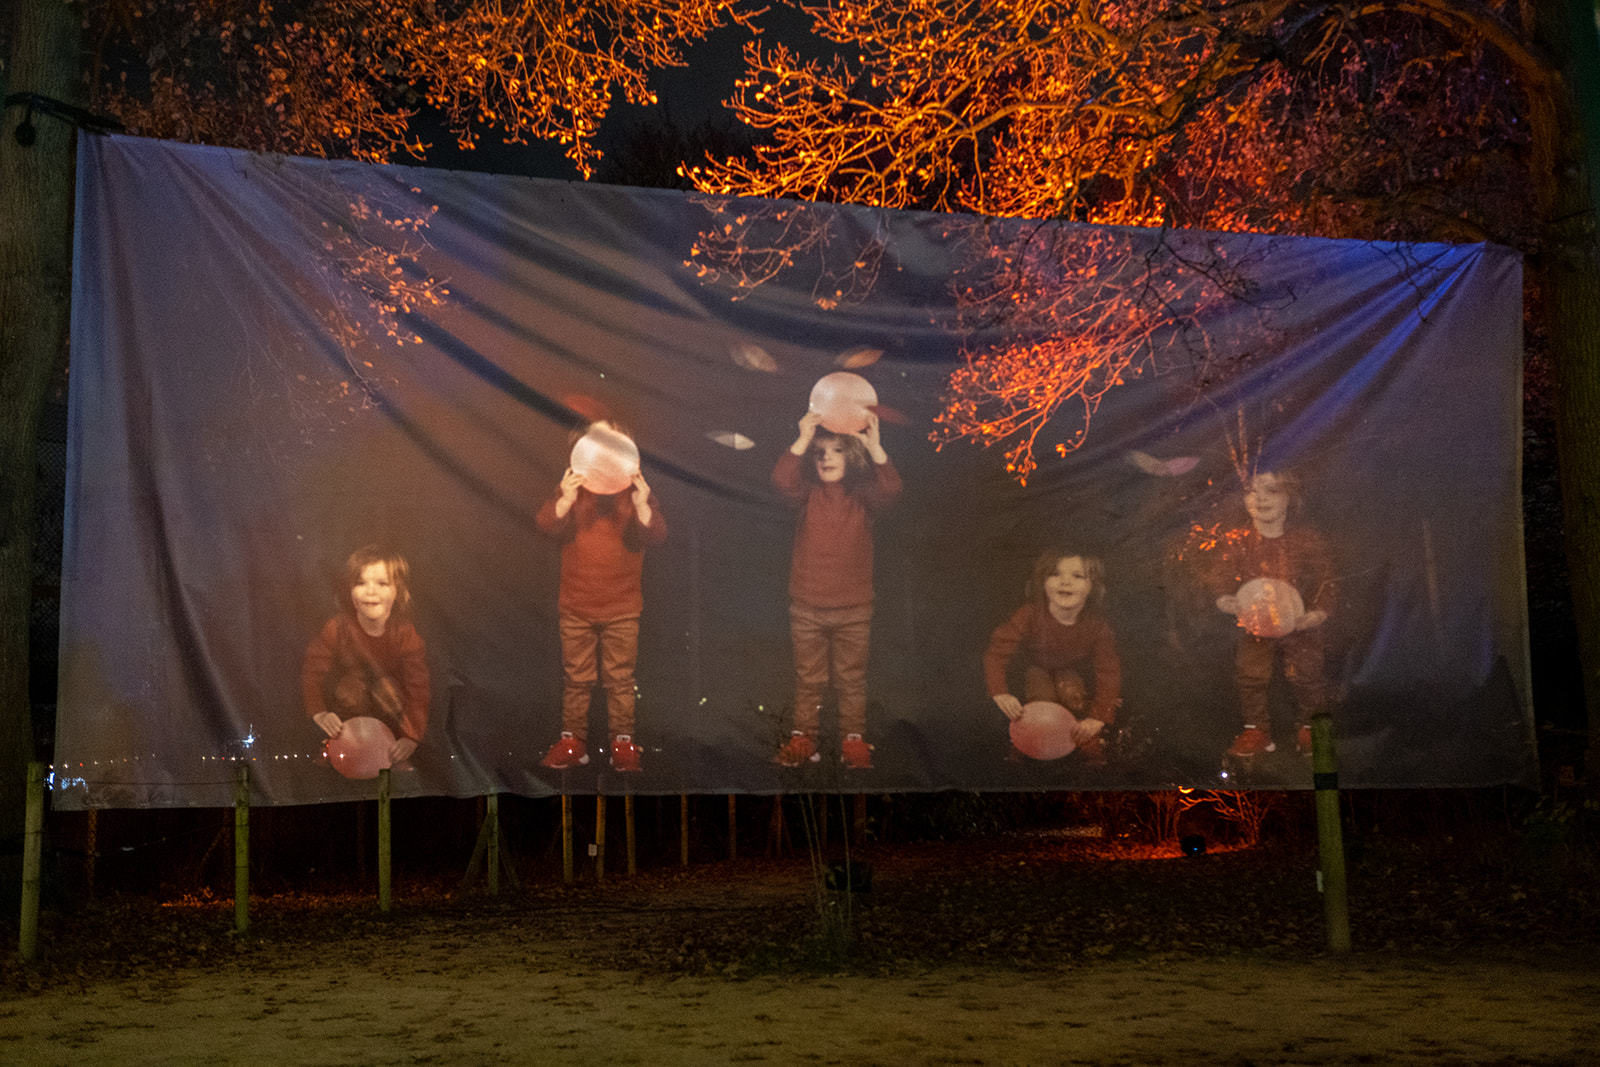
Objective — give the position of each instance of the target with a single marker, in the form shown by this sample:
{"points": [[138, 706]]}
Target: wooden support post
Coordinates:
{"points": [[363, 860], [821, 804], [566, 838], [91, 849], [1330, 836], [683, 829], [32, 858], [385, 895], [627, 818], [480, 849], [599, 837], [490, 848], [777, 832], [733, 826], [491, 820], [858, 825], [241, 851]]}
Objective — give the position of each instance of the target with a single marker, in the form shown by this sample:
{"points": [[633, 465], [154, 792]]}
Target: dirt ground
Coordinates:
{"points": [[1025, 950], [441, 1000]]}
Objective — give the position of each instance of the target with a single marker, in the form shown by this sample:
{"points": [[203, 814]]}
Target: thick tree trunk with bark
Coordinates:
{"points": [[1572, 288], [1570, 271], [35, 289]]}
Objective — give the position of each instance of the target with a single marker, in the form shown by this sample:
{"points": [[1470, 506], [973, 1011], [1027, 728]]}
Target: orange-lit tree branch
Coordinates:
{"points": [[1088, 309], [1393, 120], [344, 78], [548, 69], [942, 92]]}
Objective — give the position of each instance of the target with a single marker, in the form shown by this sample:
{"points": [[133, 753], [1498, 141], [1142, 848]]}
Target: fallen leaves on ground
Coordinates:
{"points": [[1023, 900]]}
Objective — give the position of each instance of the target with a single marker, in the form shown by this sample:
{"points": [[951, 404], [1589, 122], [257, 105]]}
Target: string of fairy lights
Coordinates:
{"points": [[81, 774]]}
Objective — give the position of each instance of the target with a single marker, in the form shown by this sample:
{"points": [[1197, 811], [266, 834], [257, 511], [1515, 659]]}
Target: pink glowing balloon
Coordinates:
{"points": [[1268, 607], [362, 748], [843, 399], [1044, 730], [607, 460]]}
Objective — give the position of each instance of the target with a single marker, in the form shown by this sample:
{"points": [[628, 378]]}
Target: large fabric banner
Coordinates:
{"points": [[529, 486]]}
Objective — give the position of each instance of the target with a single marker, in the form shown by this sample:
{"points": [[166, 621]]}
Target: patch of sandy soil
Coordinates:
{"points": [[1022, 952], [490, 999], [439, 1000]]}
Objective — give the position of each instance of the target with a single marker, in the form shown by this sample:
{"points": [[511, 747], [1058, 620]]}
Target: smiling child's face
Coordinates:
{"points": [[830, 461], [1067, 588], [1266, 500], [373, 597]]}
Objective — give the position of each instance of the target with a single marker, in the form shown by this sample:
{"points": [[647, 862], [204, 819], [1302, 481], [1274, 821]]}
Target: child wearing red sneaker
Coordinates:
{"points": [[603, 538], [840, 482], [1296, 555], [1067, 647]]}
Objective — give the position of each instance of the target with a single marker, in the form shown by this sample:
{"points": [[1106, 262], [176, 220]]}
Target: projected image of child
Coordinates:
{"points": [[605, 516], [1277, 580], [1066, 649], [839, 481], [368, 661]]}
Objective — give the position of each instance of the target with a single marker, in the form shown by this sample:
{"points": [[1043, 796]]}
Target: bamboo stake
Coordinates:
{"points": [[32, 853], [480, 848], [91, 849], [384, 841], [777, 832], [1330, 837], [599, 837], [683, 829], [627, 818], [858, 828], [566, 838], [241, 851], [491, 819], [733, 826], [363, 861]]}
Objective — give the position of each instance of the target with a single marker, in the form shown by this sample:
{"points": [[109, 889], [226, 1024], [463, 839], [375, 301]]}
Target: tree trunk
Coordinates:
{"points": [[1570, 270], [35, 288], [1572, 292]]}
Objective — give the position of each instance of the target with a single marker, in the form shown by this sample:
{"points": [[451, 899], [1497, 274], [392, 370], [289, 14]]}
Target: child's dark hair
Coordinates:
{"points": [[399, 573], [857, 461], [1046, 564]]}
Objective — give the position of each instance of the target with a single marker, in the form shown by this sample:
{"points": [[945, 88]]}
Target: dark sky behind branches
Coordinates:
{"points": [[687, 96]]}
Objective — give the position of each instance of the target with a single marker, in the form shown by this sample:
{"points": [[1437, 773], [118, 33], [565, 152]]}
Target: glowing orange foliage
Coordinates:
{"points": [[1386, 120], [344, 78]]}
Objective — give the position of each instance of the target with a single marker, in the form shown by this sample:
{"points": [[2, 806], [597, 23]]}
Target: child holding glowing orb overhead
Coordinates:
{"points": [[1069, 658], [604, 515], [364, 679], [1277, 581], [840, 478]]}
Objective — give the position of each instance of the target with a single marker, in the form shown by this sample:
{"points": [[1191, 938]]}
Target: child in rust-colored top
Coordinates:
{"points": [[1298, 556], [840, 482], [1068, 650], [369, 660], [603, 538]]}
